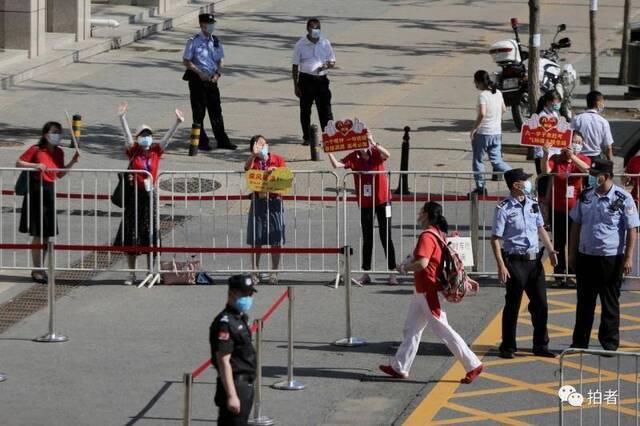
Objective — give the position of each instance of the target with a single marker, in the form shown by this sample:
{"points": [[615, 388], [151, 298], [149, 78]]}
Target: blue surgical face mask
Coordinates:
{"points": [[54, 138], [243, 304], [211, 28], [557, 106], [593, 180], [316, 33], [264, 152], [527, 187], [145, 141], [576, 147]]}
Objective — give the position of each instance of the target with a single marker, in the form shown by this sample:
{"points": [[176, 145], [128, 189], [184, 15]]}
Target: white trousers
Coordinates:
{"points": [[418, 317]]}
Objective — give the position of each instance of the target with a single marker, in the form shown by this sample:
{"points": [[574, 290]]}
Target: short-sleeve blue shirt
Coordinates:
{"points": [[517, 224], [604, 221], [205, 52]]}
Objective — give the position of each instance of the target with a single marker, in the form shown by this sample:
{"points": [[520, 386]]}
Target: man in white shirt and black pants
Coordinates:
{"points": [[595, 129], [312, 57]]}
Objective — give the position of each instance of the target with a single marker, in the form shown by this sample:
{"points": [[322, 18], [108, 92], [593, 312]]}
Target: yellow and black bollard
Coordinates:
{"points": [[76, 125], [315, 143], [195, 140]]}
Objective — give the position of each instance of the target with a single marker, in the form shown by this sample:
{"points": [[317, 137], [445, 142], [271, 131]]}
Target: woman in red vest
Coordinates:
{"points": [[139, 227], [38, 217], [266, 215], [372, 191]]}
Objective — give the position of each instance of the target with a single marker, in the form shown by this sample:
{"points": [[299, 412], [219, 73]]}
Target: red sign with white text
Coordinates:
{"points": [[542, 129], [345, 135]]}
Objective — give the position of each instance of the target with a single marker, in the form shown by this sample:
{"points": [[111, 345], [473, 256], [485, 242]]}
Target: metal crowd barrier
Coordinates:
{"points": [[469, 215], [212, 209], [84, 216], [582, 404]]}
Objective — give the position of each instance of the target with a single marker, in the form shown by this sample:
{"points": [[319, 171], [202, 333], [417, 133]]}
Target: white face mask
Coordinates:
{"points": [[576, 147], [54, 138], [316, 33], [145, 141], [527, 187]]}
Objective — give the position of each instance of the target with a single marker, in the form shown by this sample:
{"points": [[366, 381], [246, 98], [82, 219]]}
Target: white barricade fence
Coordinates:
{"points": [[557, 193], [468, 215], [599, 387], [81, 210], [215, 210]]}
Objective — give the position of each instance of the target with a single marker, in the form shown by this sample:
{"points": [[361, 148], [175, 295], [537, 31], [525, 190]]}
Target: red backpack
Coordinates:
{"points": [[453, 280]]}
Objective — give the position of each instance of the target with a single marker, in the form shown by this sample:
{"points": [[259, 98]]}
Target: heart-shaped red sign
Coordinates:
{"points": [[344, 127], [548, 123]]}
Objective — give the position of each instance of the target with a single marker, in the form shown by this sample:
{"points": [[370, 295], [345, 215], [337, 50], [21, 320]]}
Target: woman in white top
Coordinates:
{"points": [[486, 135], [138, 229]]}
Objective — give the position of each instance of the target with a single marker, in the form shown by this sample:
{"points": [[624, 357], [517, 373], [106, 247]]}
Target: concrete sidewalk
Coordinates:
{"points": [[135, 23], [128, 350]]}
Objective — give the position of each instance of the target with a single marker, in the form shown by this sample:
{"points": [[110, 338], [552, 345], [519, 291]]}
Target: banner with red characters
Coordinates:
{"points": [[543, 129], [345, 135]]}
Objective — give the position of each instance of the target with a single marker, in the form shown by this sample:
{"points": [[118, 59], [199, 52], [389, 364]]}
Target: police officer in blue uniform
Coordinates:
{"points": [[233, 355], [601, 246], [518, 222], [203, 58]]}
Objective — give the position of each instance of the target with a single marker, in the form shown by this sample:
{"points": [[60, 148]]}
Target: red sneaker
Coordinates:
{"points": [[387, 369], [471, 375]]}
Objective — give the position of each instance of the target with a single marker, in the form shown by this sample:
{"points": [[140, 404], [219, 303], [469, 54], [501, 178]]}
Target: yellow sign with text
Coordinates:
{"points": [[278, 180]]}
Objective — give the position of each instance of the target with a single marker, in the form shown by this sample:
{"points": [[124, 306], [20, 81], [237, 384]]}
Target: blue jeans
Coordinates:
{"points": [[491, 145]]}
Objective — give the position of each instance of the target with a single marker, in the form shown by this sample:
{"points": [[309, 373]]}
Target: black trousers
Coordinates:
{"points": [[598, 276], [314, 89], [384, 229], [205, 97], [560, 228], [244, 389], [528, 276]]}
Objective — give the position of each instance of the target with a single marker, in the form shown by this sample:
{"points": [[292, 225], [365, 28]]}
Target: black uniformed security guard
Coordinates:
{"points": [[203, 58], [233, 355], [518, 222]]}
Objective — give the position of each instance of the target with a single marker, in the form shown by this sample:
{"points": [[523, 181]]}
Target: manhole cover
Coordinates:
{"points": [[191, 185]]}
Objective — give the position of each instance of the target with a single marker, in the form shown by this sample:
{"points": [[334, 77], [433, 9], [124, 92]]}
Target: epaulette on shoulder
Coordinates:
{"points": [[583, 194], [503, 203], [620, 194]]}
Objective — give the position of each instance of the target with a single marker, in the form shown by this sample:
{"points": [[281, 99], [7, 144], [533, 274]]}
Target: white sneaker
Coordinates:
{"points": [[131, 280], [392, 279]]}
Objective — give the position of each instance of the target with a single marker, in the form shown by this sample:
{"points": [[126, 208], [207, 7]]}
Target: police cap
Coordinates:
{"points": [[600, 165], [206, 18], [242, 283], [515, 175]]}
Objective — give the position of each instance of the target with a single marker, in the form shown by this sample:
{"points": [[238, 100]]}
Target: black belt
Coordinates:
{"points": [[529, 257]]}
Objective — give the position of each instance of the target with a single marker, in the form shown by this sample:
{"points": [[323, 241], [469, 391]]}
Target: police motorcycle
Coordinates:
{"points": [[512, 79]]}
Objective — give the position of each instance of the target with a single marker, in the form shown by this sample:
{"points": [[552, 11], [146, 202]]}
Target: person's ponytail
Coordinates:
{"points": [[433, 211], [482, 78]]}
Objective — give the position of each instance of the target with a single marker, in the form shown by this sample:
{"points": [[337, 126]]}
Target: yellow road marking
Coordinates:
{"points": [[485, 414], [444, 389], [444, 392]]}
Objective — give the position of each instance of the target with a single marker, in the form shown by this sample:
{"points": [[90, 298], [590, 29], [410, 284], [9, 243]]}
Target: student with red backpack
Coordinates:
{"points": [[427, 263]]}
